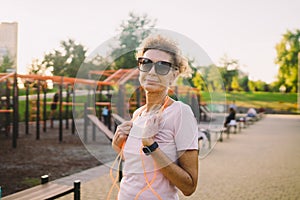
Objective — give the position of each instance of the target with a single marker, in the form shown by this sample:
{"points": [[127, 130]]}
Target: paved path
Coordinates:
{"points": [[261, 162]]}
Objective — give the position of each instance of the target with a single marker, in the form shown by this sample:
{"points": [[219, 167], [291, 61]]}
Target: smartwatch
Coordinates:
{"points": [[149, 149]]}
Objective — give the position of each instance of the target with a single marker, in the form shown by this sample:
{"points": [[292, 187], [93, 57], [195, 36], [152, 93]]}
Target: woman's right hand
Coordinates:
{"points": [[121, 135]]}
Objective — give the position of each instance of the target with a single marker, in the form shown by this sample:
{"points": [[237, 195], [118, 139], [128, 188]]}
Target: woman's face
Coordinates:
{"points": [[153, 82]]}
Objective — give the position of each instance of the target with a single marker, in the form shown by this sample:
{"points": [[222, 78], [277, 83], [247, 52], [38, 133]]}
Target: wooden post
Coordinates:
{"points": [[15, 112], [89, 96], [67, 108], [60, 110], [121, 101], [45, 107], [8, 106], [44, 179], [38, 111], [73, 111], [85, 122], [77, 190], [27, 109]]}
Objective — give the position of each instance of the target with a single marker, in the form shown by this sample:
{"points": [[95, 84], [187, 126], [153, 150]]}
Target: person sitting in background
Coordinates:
{"points": [[251, 112], [231, 116], [105, 115]]}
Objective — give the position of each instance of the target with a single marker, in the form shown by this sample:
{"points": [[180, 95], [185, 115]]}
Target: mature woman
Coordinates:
{"points": [[159, 145]]}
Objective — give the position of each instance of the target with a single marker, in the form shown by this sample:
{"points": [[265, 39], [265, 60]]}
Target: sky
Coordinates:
{"points": [[244, 30]]}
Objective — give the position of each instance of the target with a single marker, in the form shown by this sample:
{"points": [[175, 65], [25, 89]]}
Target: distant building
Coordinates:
{"points": [[9, 41]]}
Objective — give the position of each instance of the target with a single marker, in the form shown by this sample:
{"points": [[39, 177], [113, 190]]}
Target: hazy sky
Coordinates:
{"points": [[244, 30]]}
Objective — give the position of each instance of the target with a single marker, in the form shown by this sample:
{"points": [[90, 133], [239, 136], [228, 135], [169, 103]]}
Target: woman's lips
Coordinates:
{"points": [[151, 81]]}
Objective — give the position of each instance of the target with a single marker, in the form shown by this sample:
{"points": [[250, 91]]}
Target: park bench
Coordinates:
{"points": [[96, 122], [118, 119], [221, 131], [47, 190], [207, 115], [235, 124], [203, 137]]}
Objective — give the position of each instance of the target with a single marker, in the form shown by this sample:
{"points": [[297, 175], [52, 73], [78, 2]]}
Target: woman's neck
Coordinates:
{"points": [[155, 99]]}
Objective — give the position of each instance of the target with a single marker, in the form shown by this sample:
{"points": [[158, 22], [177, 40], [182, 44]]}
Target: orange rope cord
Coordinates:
{"points": [[147, 180], [114, 179]]}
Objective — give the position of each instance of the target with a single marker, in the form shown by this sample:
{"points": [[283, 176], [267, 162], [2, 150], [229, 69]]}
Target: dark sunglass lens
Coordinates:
{"points": [[145, 64], [162, 68], [147, 67]]}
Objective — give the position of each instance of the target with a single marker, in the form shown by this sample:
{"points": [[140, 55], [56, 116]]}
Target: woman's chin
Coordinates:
{"points": [[153, 88]]}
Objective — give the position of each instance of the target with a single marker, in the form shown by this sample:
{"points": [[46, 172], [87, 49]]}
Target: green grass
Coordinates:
{"points": [[275, 101], [30, 182]]}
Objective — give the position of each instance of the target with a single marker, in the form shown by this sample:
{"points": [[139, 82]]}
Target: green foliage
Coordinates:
{"points": [[259, 85], [67, 60], [36, 67], [229, 70], [235, 84], [133, 31], [6, 63], [287, 59], [198, 81], [243, 83], [213, 78]]}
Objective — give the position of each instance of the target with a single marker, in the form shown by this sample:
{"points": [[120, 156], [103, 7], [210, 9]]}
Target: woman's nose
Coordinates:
{"points": [[152, 70]]}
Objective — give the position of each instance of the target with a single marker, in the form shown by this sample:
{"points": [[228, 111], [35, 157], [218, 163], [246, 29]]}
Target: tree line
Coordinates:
{"points": [[67, 59]]}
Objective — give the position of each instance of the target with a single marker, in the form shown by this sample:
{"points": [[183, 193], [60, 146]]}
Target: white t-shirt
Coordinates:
{"points": [[177, 131]]}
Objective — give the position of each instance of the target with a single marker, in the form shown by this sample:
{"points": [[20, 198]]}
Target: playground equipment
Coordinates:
{"points": [[12, 77], [123, 102]]}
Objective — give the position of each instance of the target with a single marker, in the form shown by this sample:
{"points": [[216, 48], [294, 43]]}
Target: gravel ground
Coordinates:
{"points": [[22, 167]]}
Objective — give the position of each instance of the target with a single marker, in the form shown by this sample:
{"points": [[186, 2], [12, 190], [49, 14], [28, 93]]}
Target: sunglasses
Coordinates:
{"points": [[161, 67]]}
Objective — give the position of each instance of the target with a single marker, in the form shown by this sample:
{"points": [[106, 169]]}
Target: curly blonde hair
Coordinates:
{"points": [[169, 46]]}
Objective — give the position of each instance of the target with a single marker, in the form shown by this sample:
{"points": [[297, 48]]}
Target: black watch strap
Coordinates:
{"points": [[149, 149]]}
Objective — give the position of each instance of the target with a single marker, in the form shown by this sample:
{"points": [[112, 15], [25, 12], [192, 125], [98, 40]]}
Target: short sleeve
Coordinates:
{"points": [[186, 129]]}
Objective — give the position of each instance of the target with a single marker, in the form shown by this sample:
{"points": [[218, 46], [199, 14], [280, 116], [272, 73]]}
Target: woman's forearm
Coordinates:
{"points": [[183, 175]]}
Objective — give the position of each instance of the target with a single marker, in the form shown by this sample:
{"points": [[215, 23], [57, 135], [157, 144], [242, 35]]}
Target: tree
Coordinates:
{"points": [[132, 33], [67, 60], [235, 84], [36, 67], [198, 81], [213, 78], [287, 59], [243, 82], [6, 63], [229, 69]]}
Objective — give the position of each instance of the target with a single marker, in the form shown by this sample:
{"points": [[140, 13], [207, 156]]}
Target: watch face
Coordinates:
{"points": [[146, 150]]}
